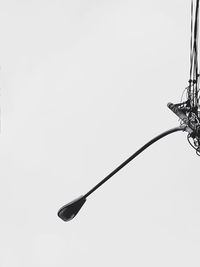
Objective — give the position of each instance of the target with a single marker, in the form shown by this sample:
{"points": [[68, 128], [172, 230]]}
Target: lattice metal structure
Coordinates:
{"points": [[189, 110]]}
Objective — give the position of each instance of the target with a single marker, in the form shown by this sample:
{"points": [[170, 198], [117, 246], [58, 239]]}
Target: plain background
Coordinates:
{"points": [[83, 85]]}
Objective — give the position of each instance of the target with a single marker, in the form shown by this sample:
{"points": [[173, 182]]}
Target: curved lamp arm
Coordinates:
{"points": [[69, 211]]}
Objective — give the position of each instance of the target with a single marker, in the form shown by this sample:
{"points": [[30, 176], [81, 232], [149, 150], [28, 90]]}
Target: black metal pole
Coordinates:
{"points": [[155, 139]]}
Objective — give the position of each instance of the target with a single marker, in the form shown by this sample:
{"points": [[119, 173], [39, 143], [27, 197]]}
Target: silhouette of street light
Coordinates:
{"points": [[69, 211]]}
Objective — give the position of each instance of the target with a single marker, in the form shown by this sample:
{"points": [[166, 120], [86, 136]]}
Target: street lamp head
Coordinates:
{"points": [[69, 211]]}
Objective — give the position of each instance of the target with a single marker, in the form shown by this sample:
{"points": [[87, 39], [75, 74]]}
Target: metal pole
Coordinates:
{"points": [[155, 139]]}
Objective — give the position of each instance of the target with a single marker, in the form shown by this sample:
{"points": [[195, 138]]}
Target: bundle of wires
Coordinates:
{"points": [[192, 107], [193, 88]]}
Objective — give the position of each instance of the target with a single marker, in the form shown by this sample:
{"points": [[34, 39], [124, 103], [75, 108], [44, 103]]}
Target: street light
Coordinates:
{"points": [[69, 211]]}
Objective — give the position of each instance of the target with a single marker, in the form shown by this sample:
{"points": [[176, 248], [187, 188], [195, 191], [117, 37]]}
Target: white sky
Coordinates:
{"points": [[83, 85]]}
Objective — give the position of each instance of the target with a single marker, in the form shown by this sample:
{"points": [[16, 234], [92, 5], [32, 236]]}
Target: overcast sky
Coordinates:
{"points": [[83, 85]]}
